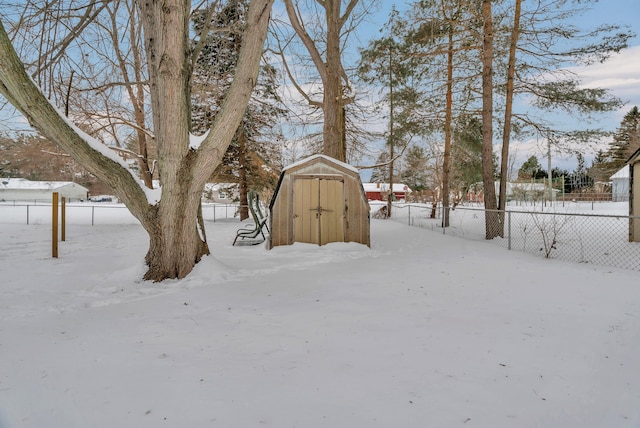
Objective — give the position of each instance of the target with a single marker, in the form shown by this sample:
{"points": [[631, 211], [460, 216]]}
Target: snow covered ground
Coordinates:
{"points": [[421, 330]]}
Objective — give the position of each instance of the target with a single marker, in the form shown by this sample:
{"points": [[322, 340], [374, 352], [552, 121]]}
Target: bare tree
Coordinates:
{"points": [[493, 227], [327, 59], [185, 162]]}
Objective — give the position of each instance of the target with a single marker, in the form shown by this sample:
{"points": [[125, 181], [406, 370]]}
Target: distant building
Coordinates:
{"points": [[20, 189], [379, 191], [224, 193], [620, 185]]}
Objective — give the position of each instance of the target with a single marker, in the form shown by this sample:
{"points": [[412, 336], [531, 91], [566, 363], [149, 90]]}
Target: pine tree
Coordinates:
{"points": [[414, 173], [380, 173], [249, 159], [467, 154], [531, 169], [626, 141]]}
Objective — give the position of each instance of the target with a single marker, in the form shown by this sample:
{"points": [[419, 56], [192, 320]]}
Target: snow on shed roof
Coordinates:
{"points": [[328, 158], [24, 184]]}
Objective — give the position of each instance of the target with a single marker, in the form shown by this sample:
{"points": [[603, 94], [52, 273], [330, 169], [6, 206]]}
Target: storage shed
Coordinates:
{"points": [[319, 200], [634, 197], [20, 189]]}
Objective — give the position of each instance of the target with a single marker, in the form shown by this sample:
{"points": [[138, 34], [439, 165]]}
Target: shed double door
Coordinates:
{"points": [[318, 210]]}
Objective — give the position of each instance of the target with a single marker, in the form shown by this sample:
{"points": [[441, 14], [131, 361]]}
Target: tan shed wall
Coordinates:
{"points": [[634, 203], [356, 208]]}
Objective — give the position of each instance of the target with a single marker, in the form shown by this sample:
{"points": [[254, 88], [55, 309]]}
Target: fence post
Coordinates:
{"points": [[27, 212], [409, 219], [509, 229], [54, 225], [63, 230]]}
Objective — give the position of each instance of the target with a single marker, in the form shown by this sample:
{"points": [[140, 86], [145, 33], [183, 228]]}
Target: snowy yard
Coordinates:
{"points": [[421, 330]]}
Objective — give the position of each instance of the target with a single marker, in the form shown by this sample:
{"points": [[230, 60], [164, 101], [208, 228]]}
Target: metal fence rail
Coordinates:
{"points": [[600, 239], [95, 213]]}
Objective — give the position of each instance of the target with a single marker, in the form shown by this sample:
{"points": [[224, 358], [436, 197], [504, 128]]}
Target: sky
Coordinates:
{"points": [[621, 75], [422, 329]]}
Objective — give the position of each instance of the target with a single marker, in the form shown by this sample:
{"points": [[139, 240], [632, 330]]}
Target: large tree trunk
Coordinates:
{"points": [[176, 243], [493, 226], [332, 102], [243, 186], [331, 72], [175, 246], [446, 164]]}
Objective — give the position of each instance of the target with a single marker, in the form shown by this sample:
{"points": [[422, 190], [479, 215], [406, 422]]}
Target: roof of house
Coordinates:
{"points": [[383, 187], [622, 173], [24, 184]]}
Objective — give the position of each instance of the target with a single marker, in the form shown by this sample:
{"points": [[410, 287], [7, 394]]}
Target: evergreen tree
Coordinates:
{"points": [[467, 154], [579, 179], [249, 159], [380, 172], [531, 168], [414, 173], [626, 141]]}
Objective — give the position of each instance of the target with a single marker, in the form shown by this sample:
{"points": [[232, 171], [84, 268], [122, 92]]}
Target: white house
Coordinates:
{"points": [[20, 189], [620, 185]]}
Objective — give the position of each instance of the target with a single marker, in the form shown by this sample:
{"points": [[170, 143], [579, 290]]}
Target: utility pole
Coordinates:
{"points": [[549, 167]]}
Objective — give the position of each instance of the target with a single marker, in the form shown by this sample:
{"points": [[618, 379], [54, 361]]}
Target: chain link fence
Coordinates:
{"points": [[95, 213], [601, 239]]}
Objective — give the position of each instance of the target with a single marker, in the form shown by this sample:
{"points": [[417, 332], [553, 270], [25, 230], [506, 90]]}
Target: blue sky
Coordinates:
{"points": [[621, 74]]}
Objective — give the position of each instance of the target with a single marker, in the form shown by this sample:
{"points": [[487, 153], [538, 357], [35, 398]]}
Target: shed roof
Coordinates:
{"points": [[325, 157], [634, 158]]}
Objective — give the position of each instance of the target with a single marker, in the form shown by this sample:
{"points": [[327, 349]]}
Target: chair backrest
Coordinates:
{"points": [[258, 209], [250, 201]]}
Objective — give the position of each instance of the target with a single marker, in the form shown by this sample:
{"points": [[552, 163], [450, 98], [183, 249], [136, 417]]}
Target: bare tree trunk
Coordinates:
{"points": [[493, 226], [176, 242], [242, 174], [135, 89], [446, 165], [506, 135], [332, 101], [331, 72]]}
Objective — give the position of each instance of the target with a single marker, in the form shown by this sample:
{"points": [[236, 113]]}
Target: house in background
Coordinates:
{"points": [[20, 189], [224, 193], [379, 191], [620, 185]]}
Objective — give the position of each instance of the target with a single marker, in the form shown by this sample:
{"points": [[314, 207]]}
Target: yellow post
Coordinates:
{"points": [[64, 220], [54, 226]]}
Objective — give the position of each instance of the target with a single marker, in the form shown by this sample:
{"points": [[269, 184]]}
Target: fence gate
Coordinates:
{"points": [[318, 209]]}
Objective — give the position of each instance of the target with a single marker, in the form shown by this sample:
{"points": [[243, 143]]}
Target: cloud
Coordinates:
{"points": [[620, 74]]}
